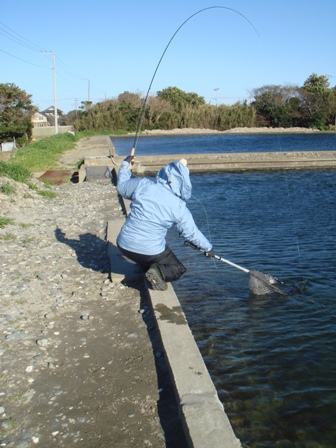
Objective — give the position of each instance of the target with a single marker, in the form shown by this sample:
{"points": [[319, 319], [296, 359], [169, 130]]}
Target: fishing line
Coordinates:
{"points": [[206, 216], [292, 216], [208, 226], [142, 115]]}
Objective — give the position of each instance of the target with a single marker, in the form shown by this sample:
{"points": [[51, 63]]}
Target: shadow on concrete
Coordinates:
{"points": [[91, 251]]}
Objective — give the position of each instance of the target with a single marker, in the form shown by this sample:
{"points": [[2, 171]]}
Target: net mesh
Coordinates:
{"points": [[261, 283]]}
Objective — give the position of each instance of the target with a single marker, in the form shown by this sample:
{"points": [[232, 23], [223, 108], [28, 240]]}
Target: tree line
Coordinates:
{"points": [[312, 105]]}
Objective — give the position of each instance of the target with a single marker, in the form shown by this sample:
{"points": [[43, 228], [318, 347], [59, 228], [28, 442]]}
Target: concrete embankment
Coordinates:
{"points": [[259, 161], [222, 162], [202, 414]]}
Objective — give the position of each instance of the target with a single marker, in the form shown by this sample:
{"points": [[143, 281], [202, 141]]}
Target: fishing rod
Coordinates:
{"points": [[142, 115]]}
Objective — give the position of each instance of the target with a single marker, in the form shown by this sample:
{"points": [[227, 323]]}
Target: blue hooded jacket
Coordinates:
{"points": [[157, 206]]}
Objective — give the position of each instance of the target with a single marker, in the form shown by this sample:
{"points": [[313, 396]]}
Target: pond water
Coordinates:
{"points": [[272, 358]]}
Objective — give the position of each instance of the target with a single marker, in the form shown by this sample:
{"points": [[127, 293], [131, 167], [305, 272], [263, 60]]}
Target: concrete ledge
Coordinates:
{"points": [[233, 162], [204, 419], [121, 267]]}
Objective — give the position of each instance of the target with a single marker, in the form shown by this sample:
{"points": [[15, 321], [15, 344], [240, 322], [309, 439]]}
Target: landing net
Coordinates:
{"points": [[261, 284]]}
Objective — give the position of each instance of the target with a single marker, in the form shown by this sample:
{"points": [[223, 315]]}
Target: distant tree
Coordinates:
{"points": [[157, 114], [16, 110], [317, 100], [132, 99], [85, 105], [332, 114], [180, 99], [277, 106]]}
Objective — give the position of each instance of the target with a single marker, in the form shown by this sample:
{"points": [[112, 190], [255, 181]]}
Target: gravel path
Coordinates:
{"points": [[81, 360]]}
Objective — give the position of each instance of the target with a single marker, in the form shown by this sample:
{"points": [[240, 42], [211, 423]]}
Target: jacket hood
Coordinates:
{"points": [[175, 176]]}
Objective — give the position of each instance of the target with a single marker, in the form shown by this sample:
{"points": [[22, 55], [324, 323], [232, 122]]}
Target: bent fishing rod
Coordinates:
{"points": [[142, 115]]}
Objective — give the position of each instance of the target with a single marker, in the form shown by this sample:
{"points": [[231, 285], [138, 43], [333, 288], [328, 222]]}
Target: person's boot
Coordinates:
{"points": [[154, 276]]}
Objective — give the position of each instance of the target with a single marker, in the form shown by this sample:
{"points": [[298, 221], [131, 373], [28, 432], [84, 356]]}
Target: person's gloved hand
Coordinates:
{"points": [[210, 253], [129, 159]]}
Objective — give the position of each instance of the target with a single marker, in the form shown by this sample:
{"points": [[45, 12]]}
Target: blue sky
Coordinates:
{"points": [[114, 46]]}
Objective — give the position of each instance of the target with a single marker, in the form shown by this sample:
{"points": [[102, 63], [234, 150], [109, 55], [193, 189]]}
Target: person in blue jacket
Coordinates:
{"points": [[155, 207]]}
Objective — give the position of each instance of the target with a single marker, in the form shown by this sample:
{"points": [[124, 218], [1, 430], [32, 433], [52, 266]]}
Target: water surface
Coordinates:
{"points": [[272, 358], [226, 143]]}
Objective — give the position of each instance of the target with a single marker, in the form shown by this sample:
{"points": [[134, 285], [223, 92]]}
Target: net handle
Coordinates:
{"points": [[232, 264], [217, 257]]}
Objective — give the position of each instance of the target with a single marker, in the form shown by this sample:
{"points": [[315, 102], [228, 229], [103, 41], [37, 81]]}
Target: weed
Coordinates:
{"points": [[7, 188], [47, 194], [28, 240], [47, 183], [8, 237], [32, 186], [24, 225], [5, 221]]}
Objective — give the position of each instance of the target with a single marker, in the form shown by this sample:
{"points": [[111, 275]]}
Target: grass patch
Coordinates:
{"points": [[7, 188], [43, 154], [5, 221], [47, 194], [32, 186], [15, 171], [24, 225]]}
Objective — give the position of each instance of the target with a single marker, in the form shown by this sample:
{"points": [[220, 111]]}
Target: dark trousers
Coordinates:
{"points": [[168, 264]]}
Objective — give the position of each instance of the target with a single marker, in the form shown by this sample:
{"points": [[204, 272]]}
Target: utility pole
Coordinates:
{"points": [[216, 90], [85, 79], [55, 96]]}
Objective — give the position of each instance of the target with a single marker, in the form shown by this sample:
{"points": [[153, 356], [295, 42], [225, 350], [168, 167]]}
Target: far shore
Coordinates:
{"points": [[264, 130]]}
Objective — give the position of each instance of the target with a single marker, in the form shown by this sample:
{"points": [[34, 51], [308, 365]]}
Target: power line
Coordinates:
{"points": [[27, 62], [20, 40], [70, 71]]}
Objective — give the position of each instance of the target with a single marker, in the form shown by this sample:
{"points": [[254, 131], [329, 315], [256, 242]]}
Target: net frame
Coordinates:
{"points": [[262, 284]]}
